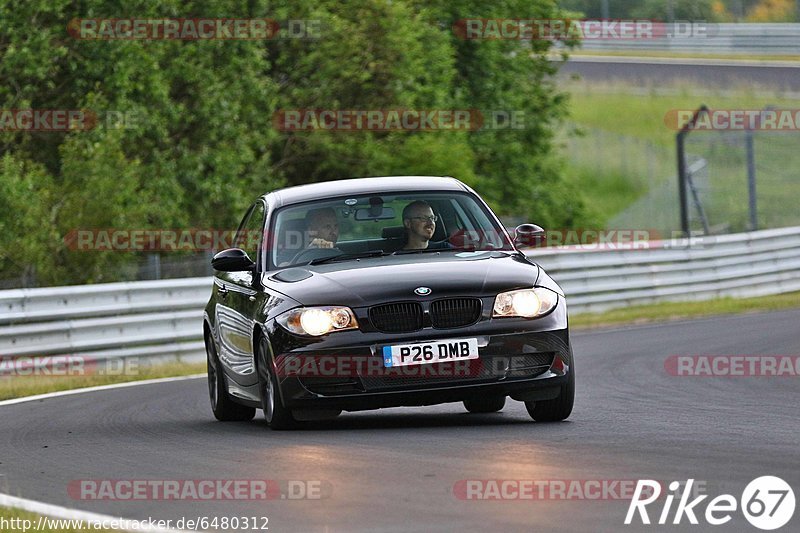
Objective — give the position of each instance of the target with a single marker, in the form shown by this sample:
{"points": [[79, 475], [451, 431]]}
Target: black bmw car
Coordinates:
{"points": [[381, 292]]}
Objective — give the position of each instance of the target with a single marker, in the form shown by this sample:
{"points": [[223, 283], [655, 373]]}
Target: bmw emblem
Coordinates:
{"points": [[422, 291]]}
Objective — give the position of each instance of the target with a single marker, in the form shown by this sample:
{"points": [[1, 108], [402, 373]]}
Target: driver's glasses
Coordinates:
{"points": [[431, 218]]}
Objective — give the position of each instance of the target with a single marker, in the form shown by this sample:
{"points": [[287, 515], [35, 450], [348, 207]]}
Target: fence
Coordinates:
{"points": [[163, 318], [717, 162], [625, 168], [775, 164], [729, 38], [134, 267]]}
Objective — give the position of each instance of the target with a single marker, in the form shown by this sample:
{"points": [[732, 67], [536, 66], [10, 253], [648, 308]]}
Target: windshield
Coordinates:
{"points": [[369, 225]]}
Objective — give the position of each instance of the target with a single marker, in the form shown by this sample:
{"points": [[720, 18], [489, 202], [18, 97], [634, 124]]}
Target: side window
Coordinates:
{"points": [[251, 232]]}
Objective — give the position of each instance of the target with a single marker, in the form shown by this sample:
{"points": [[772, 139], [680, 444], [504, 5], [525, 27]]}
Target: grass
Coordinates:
{"points": [[619, 148], [17, 518], [18, 386], [664, 312], [606, 192], [639, 113]]}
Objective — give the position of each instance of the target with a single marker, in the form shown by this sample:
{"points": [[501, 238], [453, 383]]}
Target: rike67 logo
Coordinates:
{"points": [[767, 503]]}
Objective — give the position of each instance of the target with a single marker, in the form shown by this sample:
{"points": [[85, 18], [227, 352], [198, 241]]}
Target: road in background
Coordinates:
{"points": [[781, 75]]}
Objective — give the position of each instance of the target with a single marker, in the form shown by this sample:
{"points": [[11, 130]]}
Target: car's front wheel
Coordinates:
{"points": [[491, 404], [222, 405], [275, 413], [558, 408]]}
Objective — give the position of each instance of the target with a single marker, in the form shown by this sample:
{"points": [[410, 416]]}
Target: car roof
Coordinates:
{"points": [[327, 189]]}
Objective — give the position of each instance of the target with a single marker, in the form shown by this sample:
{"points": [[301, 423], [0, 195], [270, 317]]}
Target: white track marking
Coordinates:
{"points": [[65, 513], [70, 392], [56, 511]]}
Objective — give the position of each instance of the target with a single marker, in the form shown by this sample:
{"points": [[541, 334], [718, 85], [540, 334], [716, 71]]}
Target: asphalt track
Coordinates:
{"points": [[394, 470], [781, 75]]}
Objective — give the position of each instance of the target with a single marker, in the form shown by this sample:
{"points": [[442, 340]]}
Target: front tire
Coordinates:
{"points": [[558, 408], [491, 404], [278, 417], [222, 405]]}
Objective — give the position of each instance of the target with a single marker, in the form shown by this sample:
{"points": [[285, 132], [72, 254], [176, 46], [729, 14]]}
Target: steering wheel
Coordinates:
{"points": [[309, 254]]}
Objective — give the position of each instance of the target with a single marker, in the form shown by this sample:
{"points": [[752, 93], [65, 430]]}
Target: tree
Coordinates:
{"points": [[197, 143]]}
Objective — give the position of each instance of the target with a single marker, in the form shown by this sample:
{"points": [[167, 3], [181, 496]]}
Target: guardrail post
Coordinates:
{"points": [[682, 184], [682, 171], [154, 265], [751, 178]]}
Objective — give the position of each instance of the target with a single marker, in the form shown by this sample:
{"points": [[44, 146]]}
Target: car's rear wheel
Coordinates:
{"points": [[222, 405], [492, 404], [558, 408], [275, 413]]}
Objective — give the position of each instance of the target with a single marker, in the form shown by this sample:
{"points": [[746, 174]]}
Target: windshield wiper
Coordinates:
{"points": [[431, 250], [345, 257], [428, 250]]}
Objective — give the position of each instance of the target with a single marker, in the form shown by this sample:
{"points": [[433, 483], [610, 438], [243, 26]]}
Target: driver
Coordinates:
{"points": [[322, 227]]}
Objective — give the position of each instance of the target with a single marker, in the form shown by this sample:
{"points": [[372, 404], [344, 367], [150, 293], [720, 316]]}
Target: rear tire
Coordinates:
{"points": [[492, 404], [558, 408], [277, 416], [222, 405]]}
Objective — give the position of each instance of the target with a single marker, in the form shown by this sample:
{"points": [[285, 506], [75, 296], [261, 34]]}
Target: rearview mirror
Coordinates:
{"points": [[232, 260], [528, 235], [373, 213]]}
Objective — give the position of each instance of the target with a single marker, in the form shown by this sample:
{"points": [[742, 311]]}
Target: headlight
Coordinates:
{"points": [[526, 303], [316, 321]]}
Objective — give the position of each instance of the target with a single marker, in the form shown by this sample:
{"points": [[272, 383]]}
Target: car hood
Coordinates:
{"points": [[393, 278]]}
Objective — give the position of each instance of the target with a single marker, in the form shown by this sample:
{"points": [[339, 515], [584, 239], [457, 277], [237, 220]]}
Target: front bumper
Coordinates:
{"points": [[526, 363]]}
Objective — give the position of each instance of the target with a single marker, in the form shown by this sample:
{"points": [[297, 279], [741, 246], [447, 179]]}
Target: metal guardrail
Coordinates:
{"points": [[163, 318], [727, 38], [106, 321], [738, 265]]}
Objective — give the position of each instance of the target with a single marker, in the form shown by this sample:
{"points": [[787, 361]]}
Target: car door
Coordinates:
{"points": [[238, 299]]}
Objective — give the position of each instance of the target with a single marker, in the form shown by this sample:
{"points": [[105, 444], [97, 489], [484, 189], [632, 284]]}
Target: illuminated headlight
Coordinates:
{"points": [[526, 303], [316, 321]]}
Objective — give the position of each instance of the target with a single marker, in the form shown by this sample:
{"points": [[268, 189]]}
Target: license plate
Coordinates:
{"points": [[430, 352]]}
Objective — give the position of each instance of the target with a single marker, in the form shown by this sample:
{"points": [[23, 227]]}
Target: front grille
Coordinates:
{"points": [[431, 375], [530, 360], [455, 312], [400, 317], [331, 386], [529, 365], [488, 369]]}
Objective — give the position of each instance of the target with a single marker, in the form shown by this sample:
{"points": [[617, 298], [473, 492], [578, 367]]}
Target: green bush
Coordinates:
{"points": [[200, 145]]}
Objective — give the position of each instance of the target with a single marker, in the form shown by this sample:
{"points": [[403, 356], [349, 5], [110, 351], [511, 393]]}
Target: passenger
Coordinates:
{"points": [[420, 224]]}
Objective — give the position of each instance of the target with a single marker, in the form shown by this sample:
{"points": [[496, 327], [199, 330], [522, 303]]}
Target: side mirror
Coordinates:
{"points": [[528, 235], [232, 260]]}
